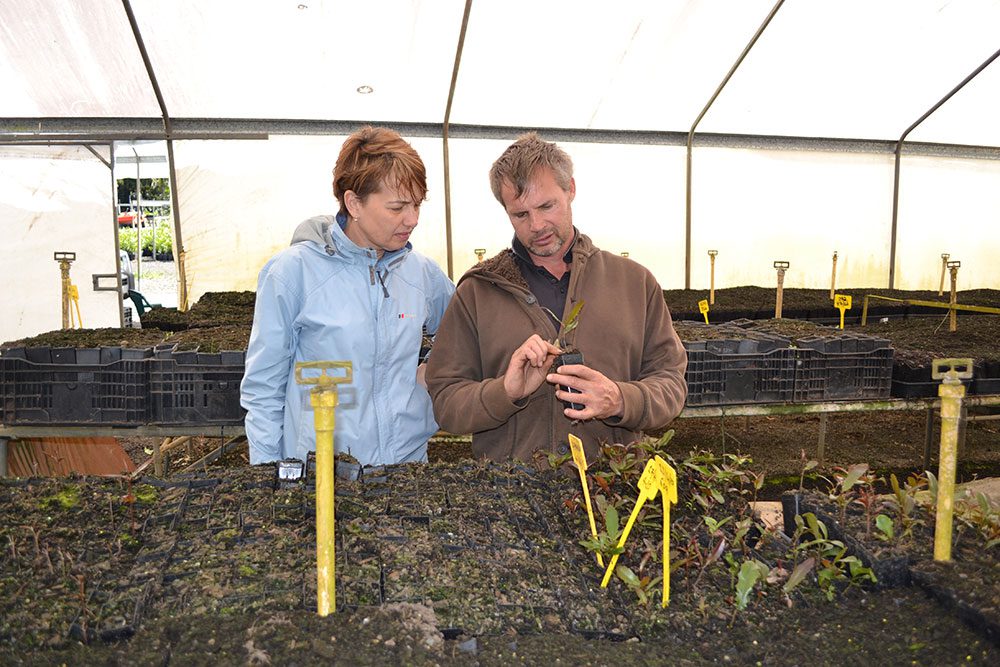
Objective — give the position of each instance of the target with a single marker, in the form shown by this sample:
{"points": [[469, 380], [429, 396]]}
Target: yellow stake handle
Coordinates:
{"points": [[580, 458], [323, 398], [951, 392]]}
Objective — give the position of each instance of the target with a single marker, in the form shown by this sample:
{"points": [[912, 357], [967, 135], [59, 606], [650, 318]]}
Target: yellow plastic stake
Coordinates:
{"points": [[842, 302], [712, 254], [952, 321], [781, 266], [944, 268], [833, 276], [703, 308], [64, 259], [951, 391], [580, 458], [667, 478], [74, 297], [324, 399], [648, 487]]}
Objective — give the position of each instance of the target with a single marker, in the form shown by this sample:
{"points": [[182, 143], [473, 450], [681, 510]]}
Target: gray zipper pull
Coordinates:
{"points": [[371, 273]]}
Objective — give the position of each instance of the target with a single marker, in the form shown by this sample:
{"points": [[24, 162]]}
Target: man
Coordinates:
{"points": [[490, 373]]}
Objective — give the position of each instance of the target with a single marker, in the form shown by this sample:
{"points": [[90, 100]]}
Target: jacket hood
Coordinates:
{"points": [[327, 234], [315, 229], [503, 268]]}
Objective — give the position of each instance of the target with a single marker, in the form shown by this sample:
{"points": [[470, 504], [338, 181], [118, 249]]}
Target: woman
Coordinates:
{"points": [[350, 288]]}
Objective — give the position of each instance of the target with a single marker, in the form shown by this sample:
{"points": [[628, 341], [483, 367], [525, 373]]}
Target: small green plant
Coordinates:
{"points": [[567, 324], [606, 543], [980, 513], [157, 239], [807, 465], [643, 587], [829, 557], [842, 490], [751, 571], [870, 502], [884, 525], [904, 502]]}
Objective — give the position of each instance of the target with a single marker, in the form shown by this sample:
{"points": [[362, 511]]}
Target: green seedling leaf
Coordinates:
{"points": [[750, 573], [816, 527], [810, 465], [799, 574], [854, 473], [611, 520], [984, 502], [571, 320], [713, 525], [626, 574], [884, 524]]}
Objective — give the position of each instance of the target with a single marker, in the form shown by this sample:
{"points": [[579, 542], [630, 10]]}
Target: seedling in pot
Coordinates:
{"points": [[568, 356]]}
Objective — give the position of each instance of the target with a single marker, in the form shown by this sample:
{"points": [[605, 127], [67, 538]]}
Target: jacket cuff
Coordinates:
{"points": [[635, 407], [496, 403]]}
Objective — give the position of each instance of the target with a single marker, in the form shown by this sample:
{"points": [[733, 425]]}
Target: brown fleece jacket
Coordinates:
{"points": [[624, 331]]}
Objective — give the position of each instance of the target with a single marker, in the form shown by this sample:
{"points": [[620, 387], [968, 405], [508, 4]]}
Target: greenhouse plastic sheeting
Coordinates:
{"points": [[54, 200]]}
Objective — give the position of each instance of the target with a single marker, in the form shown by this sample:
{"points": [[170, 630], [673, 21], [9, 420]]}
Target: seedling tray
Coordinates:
{"points": [[42, 385], [843, 368], [728, 372], [196, 387]]}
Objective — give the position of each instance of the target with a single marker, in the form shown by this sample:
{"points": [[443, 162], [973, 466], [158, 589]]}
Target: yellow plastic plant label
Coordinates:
{"points": [[668, 488], [580, 458], [648, 488], [843, 303], [703, 308], [667, 478]]}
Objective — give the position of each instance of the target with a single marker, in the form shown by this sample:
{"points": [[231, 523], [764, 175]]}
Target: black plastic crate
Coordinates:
{"points": [[719, 373], [196, 387], [843, 368], [70, 386]]}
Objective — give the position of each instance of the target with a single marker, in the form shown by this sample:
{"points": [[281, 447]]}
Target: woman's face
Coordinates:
{"points": [[383, 220]]}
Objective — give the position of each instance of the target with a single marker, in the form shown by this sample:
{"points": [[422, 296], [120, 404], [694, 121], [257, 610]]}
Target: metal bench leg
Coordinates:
{"points": [[928, 438]]}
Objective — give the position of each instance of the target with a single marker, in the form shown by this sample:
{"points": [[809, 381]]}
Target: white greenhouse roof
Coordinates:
{"points": [[862, 69]]}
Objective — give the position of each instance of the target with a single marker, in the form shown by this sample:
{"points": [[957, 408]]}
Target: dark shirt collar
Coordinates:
{"points": [[522, 253]]}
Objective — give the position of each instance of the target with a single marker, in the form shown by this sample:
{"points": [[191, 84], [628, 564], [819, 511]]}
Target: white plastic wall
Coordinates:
{"points": [[54, 200]]}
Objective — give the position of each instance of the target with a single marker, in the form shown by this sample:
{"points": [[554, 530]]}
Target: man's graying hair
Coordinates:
{"points": [[523, 157]]}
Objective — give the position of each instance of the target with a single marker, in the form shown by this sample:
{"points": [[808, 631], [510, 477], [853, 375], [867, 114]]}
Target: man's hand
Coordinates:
{"points": [[528, 366], [601, 398]]}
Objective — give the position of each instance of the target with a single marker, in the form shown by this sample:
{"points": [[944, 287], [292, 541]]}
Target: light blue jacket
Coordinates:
{"points": [[326, 299]]}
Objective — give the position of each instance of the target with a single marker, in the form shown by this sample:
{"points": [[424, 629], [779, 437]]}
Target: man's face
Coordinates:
{"points": [[542, 217]]}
